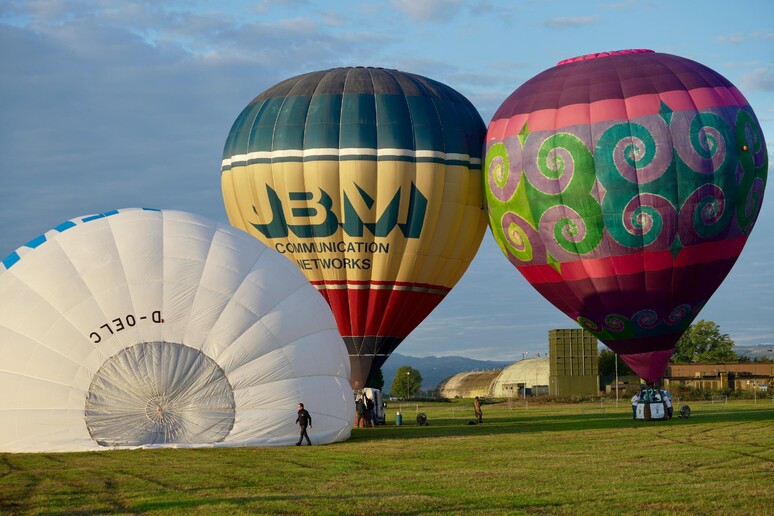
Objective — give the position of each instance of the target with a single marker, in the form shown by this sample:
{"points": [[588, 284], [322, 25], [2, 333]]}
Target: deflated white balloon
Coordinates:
{"points": [[160, 328]]}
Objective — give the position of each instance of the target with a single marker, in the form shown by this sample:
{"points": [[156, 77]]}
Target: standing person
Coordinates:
{"points": [[477, 410], [359, 412], [304, 420], [366, 413], [668, 402], [635, 402], [371, 412]]}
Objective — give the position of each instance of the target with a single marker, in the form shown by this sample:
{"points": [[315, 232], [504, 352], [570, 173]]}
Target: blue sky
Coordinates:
{"points": [[117, 104]]}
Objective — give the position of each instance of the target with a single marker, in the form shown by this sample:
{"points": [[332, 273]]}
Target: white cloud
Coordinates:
{"points": [[112, 107], [625, 5], [761, 79], [429, 10], [742, 38], [570, 22]]}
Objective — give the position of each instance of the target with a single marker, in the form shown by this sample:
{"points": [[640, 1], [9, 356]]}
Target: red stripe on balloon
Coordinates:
{"points": [[615, 109], [381, 312], [377, 284], [633, 263]]}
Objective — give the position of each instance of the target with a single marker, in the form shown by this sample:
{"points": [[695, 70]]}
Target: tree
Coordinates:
{"points": [[607, 364], [376, 381], [407, 382], [703, 342]]}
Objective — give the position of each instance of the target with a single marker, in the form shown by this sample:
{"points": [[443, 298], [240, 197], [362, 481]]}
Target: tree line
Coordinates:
{"points": [[702, 343]]}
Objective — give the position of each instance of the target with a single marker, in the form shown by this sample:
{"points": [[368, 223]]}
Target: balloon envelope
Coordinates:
{"points": [[623, 186], [369, 180], [160, 328]]}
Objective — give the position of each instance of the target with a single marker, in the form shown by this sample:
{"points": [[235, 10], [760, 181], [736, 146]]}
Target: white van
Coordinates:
{"points": [[374, 395]]}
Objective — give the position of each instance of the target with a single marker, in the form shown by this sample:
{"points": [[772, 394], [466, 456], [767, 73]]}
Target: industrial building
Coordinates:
{"points": [[571, 368], [525, 377], [743, 376], [574, 362], [529, 376], [468, 384]]}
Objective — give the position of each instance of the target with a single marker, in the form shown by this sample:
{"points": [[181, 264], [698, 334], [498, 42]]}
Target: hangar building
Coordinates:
{"points": [[531, 374]]}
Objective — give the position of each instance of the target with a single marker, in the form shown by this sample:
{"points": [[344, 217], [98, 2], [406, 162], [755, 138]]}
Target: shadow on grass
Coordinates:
{"points": [[546, 423]]}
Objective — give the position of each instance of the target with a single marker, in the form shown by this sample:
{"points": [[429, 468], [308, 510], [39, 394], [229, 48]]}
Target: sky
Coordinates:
{"points": [[111, 104]]}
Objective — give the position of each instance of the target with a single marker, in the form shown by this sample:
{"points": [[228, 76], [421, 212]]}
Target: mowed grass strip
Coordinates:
{"points": [[575, 459]]}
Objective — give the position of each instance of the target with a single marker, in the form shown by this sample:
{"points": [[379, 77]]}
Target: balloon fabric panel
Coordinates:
{"points": [[156, 328], [374, 193], [623, 188]]}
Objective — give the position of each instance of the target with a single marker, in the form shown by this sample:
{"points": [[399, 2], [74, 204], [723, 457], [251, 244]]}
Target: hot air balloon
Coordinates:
{"points": [[369, 181], [623, 186], [160, 328]]}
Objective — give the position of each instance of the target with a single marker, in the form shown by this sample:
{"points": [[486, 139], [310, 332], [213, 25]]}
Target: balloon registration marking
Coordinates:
{"points": [[121, 323]]}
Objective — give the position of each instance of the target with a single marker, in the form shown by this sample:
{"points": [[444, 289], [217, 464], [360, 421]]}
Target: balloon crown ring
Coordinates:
{"points": [[597, 55]]}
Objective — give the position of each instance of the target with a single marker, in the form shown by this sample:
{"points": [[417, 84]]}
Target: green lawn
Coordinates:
{"points": [[577, 459]]}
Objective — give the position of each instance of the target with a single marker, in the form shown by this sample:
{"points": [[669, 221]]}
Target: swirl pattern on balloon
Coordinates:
{"points": [[503, 169], [651, 220], [522, 241], [678, 314], [710, 139], [616, 322], [559, 155], [752, 167], [657, 187], [703, 215], [646, 319], [564, 232], [636, 156], [588, 324]]}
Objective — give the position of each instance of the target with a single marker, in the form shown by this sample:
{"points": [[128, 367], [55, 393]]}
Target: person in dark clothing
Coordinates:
{"points": [[477, 410], [370, 412], [304, 420], [367, 413], [360, 408]]}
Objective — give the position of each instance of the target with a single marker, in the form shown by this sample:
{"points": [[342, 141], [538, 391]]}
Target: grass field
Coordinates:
{"points": [[577, 459]]}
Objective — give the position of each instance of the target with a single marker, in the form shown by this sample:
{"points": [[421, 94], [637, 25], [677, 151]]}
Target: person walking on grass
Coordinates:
{"points": [[303, 420], [477, 410]]}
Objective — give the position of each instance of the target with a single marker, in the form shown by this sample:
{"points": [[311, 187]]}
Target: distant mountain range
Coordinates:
{"points": [[435, 369], [755, 351]]}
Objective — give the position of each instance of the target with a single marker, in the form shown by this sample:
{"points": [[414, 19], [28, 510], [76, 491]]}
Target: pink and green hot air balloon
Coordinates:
{"points": [[623, 186]]}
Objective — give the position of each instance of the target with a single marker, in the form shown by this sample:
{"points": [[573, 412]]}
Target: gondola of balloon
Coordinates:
{"points": [[622, 186]]}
